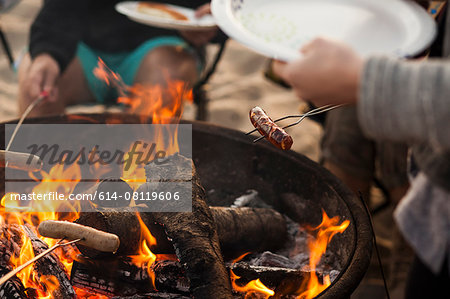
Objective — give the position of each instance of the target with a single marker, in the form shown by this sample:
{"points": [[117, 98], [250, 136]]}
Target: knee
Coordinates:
{"points": [[167, 63]]}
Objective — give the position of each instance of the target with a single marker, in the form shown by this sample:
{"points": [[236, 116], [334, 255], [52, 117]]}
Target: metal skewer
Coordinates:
{"points": [[301, 116], [44, 253]]}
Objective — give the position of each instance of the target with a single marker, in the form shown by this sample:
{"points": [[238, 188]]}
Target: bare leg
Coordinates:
{"points": [[161, 62], [72, 89]]}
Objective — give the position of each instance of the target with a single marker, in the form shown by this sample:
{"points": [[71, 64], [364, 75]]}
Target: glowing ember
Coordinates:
{"points": [[324, 232]]}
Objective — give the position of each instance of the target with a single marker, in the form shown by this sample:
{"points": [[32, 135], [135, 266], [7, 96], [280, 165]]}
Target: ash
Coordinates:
{"points": [[295, 253]]}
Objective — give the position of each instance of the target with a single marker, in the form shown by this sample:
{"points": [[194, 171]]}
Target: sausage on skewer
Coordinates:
{"points": [[270, 130]]}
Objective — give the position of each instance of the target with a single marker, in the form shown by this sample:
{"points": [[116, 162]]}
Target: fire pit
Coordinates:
{"points": [[229, 164]]}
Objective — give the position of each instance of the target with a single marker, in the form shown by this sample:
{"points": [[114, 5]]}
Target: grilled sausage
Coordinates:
{"points": [[22, 161], [271, 131], [91, 237]]}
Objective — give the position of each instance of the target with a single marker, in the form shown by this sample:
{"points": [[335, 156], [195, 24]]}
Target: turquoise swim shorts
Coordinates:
{"points": [[125, 64]]}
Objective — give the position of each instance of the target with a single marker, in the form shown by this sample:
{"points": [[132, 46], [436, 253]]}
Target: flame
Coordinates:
{"points": [[51, 284], [254, 286], [164, 104], [146, 256], [324, 232], [135, 174], [63, 180]]}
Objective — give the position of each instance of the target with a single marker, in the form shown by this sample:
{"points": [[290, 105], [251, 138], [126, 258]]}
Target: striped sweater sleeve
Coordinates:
{"points": [[406, 101]]}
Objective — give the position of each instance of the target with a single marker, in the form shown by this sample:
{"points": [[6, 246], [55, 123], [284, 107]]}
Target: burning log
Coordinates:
{"points": [[193, 234], [155, 296], [240, 230], [50, 265], [244, 230], [127, 279], [13, 288], [10, 243]]}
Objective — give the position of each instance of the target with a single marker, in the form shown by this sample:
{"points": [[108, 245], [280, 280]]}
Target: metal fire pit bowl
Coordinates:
{"points": [[229, 163]]}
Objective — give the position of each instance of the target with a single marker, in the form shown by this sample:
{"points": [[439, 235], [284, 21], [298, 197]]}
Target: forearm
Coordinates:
{"points": [[57, 30], [406, 101]]}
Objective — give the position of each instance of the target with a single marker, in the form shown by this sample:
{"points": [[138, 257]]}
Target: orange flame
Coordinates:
{"points": [[163, 104], [145, 256], [253, 287], [62, 180], [324, 232]]}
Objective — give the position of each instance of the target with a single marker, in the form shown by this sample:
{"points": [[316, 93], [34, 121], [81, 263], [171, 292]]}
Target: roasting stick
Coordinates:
{"points": [[65, 230], [33, 104], [21, 267]]}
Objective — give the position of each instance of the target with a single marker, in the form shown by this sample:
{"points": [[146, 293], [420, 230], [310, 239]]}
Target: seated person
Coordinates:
{"points": [[397, 101], [67, 37]]}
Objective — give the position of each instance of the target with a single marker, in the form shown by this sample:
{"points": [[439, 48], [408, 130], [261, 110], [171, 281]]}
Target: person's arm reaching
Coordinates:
{"points": [[407, 101], [53, 41], [397, 100]]}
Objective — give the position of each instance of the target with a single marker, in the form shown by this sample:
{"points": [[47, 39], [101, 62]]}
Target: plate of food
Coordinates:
{"points": [[278, 29], [164, 15]]}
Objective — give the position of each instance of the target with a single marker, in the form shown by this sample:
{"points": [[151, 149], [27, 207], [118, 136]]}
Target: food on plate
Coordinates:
{"points": [[271, 131], [160, 11]]}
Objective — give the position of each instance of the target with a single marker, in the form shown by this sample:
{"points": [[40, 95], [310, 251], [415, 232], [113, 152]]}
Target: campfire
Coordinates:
{"points": [[273, 242]]}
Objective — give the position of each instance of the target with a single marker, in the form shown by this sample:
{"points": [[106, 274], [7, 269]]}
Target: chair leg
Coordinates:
{"points": [[201, 101], [7, 48]]}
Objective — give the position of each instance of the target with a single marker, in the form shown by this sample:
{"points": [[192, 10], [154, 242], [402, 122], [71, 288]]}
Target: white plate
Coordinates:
{"points": [[278, 29], [129, 8]]}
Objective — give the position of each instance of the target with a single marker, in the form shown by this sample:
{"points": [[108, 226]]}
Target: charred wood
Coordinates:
{"points": [[155, 296], [127, 279], [240, 230], [10, 243], [193, 234], [50, 265]]}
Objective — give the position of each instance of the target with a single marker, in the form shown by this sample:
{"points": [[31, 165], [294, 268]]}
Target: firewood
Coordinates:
{"points": [[243, 230], [50, 265], [240, 230], [193, 234], [195, 238], [13, 288], [155, 296], [10, 243], [126, 279]]}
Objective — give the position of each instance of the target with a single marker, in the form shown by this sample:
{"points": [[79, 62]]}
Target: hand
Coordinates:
{"points": [[41, 75], [200, 38], [327, 73]]}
